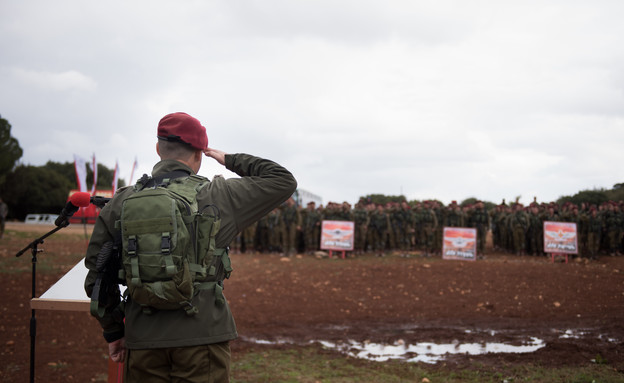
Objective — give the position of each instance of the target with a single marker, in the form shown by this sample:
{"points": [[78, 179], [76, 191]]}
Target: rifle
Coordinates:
{"points": [[106, 295]]}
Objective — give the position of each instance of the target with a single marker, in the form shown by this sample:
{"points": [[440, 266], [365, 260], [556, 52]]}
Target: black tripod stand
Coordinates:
{"points": [[62, 222], [33, 246]]}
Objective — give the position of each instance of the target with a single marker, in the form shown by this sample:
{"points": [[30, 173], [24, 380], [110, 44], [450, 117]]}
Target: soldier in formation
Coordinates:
{"points": [[312, 227], [417, 228], [599, 229]]}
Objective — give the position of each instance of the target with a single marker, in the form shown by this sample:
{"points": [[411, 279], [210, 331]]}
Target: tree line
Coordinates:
{"points": [[39, 189], [590, 197]]}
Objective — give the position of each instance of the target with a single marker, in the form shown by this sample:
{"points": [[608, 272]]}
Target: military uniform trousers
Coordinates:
{"points": [[207, 364]]}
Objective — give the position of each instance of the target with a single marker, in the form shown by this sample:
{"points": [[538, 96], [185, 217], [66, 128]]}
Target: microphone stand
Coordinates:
{"points": [[33, 246]]}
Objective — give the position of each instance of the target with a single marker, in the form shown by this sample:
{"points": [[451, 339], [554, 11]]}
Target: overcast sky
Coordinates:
{"points": [[429, 99]]}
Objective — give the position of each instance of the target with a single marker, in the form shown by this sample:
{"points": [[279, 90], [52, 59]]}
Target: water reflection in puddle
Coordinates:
{"points": [[425, 352]]}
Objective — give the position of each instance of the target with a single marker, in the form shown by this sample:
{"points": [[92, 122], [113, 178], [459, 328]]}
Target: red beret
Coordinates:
{"points": [[180, 127]]}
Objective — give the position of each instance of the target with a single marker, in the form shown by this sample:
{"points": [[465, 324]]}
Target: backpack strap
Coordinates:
{"points": [[222, 257], [163, 179], [216, 287]]}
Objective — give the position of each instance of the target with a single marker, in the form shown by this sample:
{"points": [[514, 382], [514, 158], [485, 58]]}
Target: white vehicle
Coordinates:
{"points": [[46, 219], [302, 197]]}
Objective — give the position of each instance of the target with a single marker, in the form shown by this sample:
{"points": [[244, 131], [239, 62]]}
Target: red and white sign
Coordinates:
{"points": [[337, 235], [560, 237], [460, 243]]}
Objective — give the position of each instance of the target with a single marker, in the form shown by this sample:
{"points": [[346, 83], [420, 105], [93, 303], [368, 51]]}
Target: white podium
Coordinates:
{"points": [[68, 294]]}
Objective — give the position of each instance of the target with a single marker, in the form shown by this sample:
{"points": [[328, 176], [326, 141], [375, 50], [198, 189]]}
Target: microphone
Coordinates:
{"points": [[76, 201]]}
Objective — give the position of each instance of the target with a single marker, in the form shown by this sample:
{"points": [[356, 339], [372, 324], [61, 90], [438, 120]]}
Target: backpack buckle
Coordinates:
{"points": [[132, 246], [165, 243]]}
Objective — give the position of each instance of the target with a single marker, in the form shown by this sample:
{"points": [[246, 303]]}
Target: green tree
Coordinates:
{"points": [[381, 199], [592, 197], [67, 170], [32, 189], [468, 201], [105, 177], [10, 150], [414, 202], [44, 189], [617, 193]]}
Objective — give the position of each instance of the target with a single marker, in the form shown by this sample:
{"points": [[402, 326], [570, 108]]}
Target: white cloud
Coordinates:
{"points": [[70, 80], [447, 99]]}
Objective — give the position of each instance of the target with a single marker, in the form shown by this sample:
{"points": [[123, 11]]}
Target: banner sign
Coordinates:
{"points": [[460, 243], [337, 235], [560, 237]]}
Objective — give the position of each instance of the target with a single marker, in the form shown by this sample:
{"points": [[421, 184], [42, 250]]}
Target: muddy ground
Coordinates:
{"points": [[574, 310]]}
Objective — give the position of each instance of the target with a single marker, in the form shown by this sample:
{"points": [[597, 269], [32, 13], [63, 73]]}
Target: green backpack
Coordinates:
{"points": [[168, 245]]}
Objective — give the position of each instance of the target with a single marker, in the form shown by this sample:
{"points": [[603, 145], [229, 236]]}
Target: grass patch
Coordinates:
{"points": [[312, 364], [56, 254], [47, 263]]}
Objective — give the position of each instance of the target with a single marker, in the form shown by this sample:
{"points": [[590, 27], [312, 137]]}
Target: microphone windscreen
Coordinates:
{"points": [[80, 199]]}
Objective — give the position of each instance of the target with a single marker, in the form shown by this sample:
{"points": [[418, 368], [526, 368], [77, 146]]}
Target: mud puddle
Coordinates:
{"points": [[473, 342]]}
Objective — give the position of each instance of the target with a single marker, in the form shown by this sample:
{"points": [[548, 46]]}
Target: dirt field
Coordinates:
{"points": [[576, 310]]}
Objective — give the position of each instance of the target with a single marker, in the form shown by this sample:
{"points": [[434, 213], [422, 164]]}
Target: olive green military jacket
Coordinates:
{"points": [[263, 186]]}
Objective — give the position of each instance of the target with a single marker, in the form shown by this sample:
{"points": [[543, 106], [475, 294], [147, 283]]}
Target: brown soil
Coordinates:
{"points": [[576, 309]]}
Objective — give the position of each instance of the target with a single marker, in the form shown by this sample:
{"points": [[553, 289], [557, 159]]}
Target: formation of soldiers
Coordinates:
{"points": [[520, 230], [404, 228]]}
